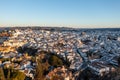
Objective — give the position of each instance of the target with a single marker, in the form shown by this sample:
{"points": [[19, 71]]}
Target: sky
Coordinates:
{"points": [[60, 13]]}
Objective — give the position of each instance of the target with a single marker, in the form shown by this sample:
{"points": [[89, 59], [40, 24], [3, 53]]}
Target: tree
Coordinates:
{"points": [[2, 77], [55, 61], [18, 76], [57, 78], [39, 71], [12, 74], [8, 74]]}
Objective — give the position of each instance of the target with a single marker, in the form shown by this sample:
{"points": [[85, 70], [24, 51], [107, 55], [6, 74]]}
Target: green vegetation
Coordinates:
{"points": [[31, 51], [55, 61], [18, 76], [39, 71], [57, 78], [44, 61], [2, 77], [11, 74]]}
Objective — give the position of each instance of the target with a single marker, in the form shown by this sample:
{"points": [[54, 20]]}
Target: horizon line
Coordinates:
{"points": [[59, 27]]}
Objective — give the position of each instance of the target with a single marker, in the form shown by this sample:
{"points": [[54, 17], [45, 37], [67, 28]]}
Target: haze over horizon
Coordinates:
{"points": [[60, 13]]}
